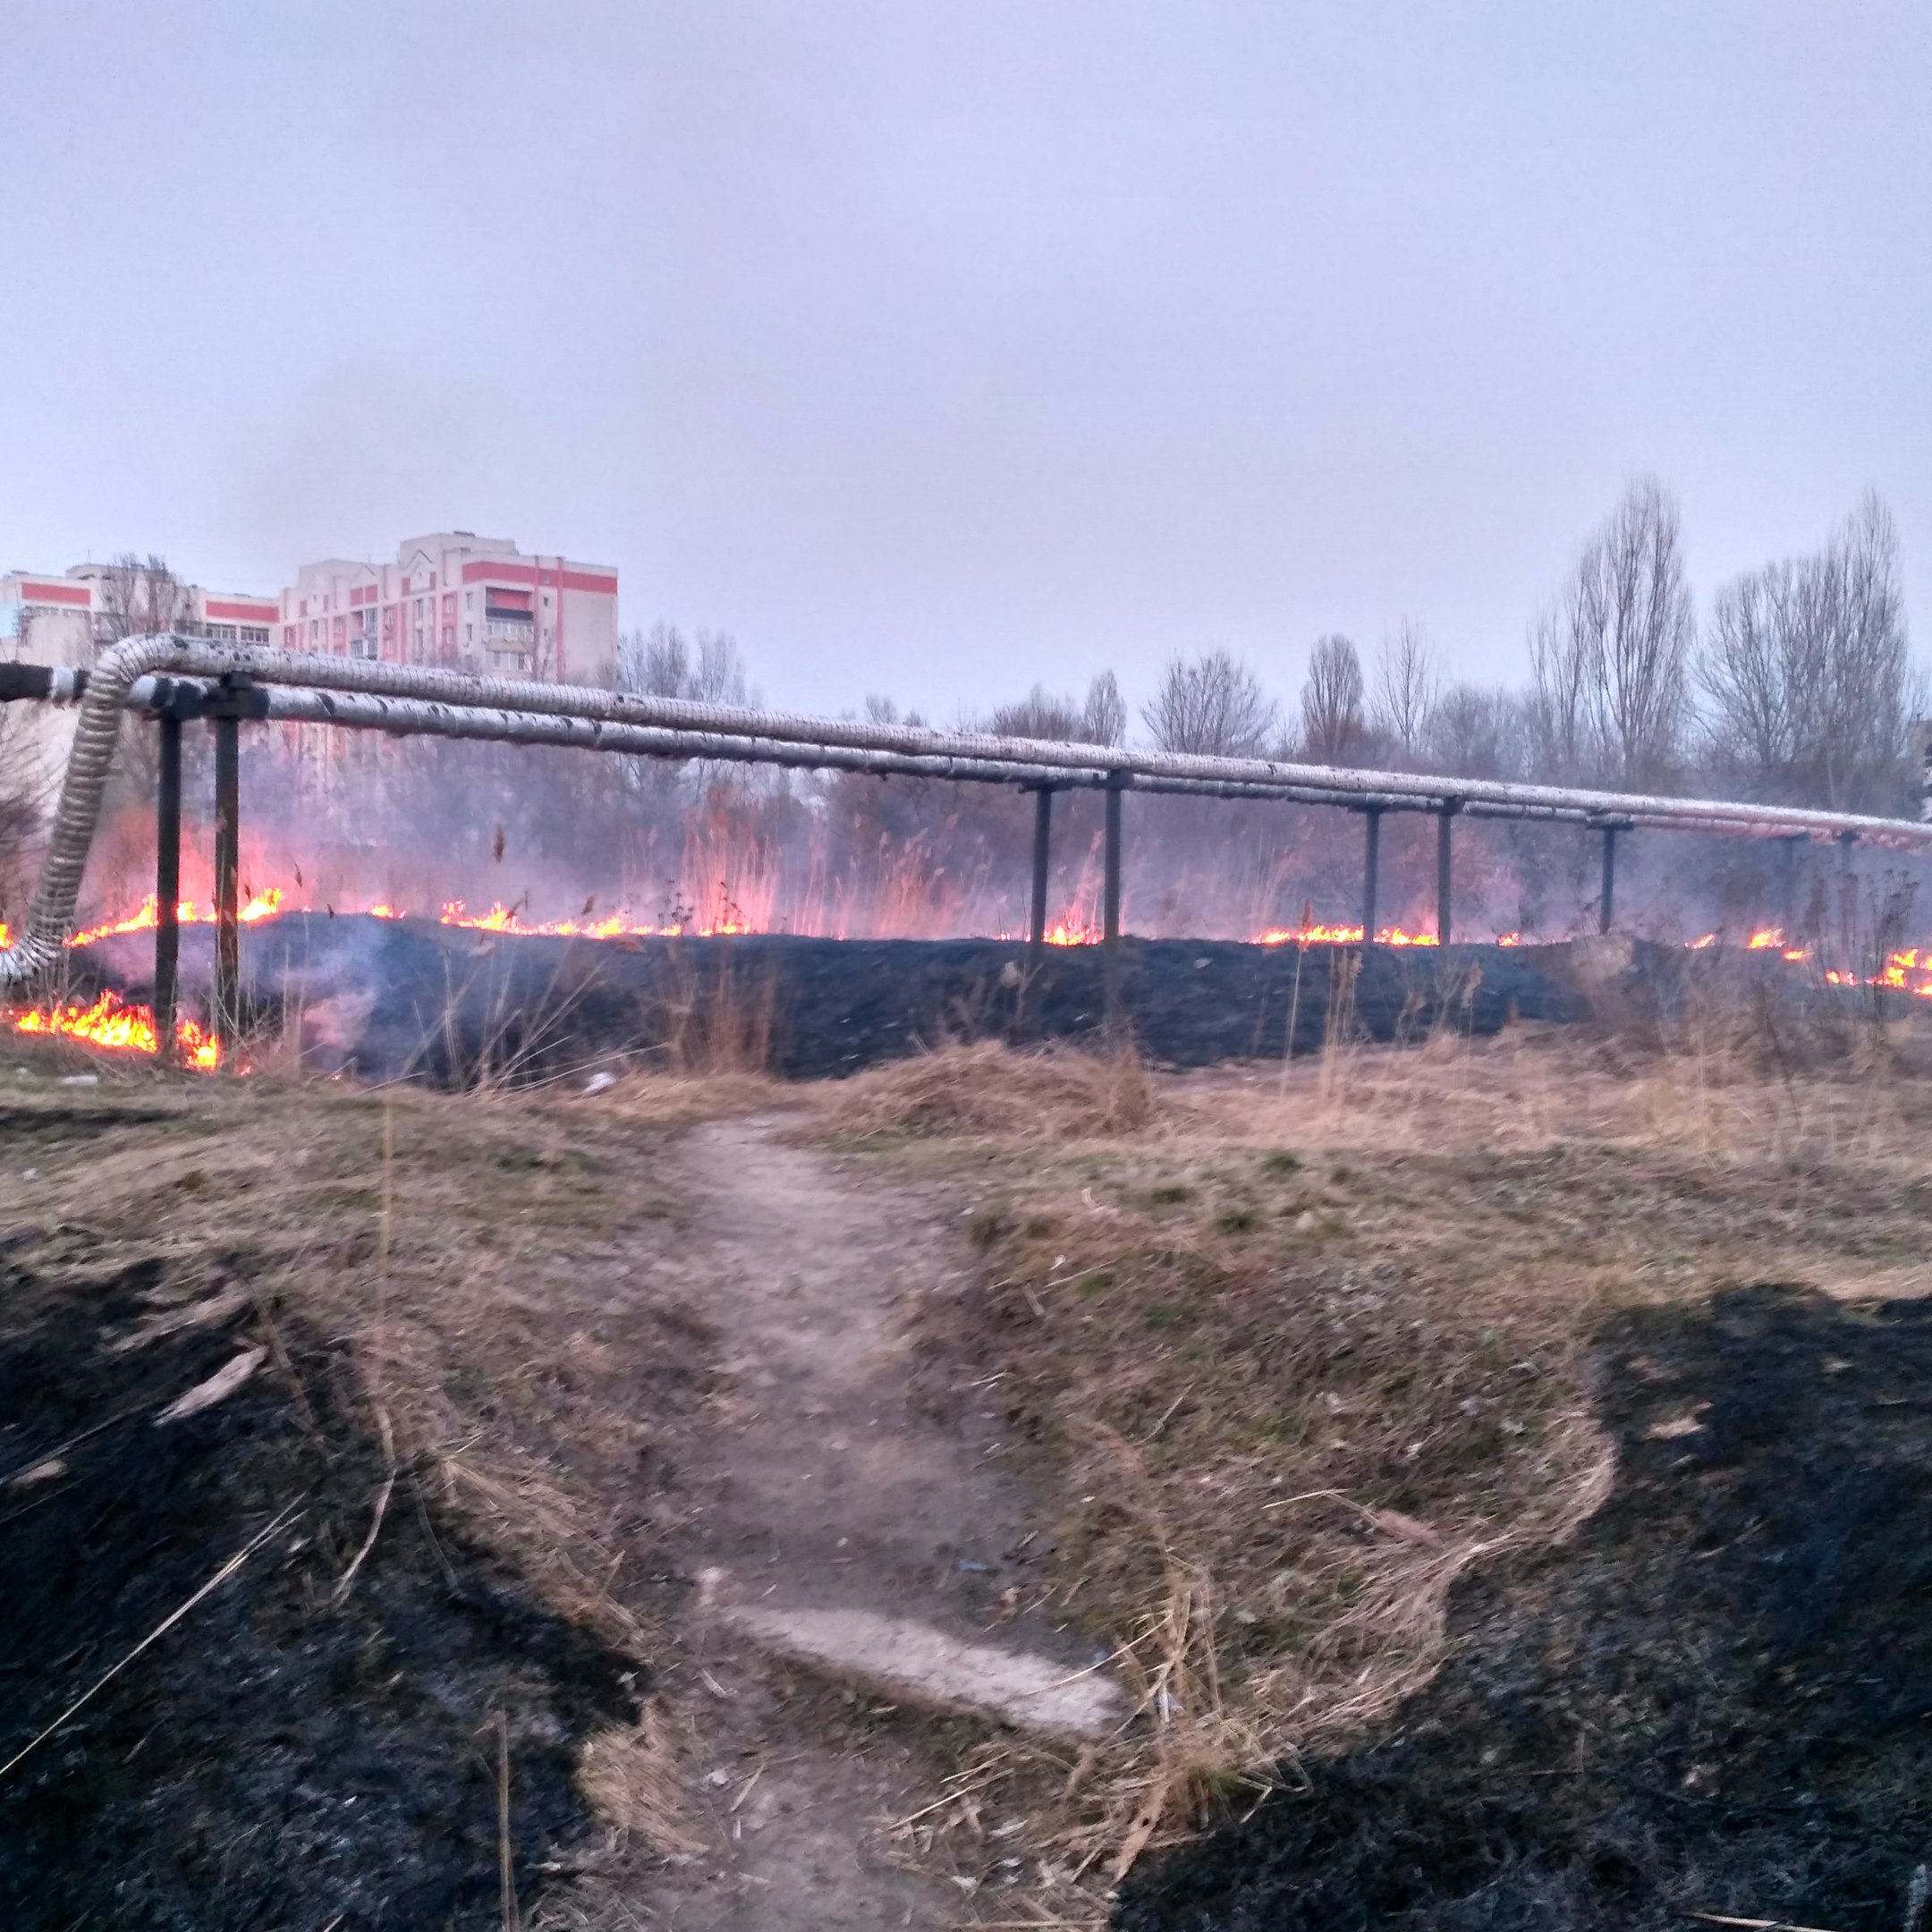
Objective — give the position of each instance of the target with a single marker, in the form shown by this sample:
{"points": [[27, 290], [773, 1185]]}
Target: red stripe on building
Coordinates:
{"points": [[255, 614], [528, 573], [55, 593]]}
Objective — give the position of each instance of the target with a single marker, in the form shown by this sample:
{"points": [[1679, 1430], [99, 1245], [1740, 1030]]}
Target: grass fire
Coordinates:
{"points": [[1106, 1106]]}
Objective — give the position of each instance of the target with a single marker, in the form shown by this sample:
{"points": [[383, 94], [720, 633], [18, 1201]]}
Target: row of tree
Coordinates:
{"points": [[1797, 688]]}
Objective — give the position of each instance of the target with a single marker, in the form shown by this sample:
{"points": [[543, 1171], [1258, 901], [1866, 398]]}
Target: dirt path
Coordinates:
{"points": [[839, 1475]]}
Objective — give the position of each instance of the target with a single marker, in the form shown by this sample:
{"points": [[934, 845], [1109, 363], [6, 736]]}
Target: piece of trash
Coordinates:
{"points": [[40, 1472], [79, 1079], [218, 1387], [601, 1081], [29, 1174]]}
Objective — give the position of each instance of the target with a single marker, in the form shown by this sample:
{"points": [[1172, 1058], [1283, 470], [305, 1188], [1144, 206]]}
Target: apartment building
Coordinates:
{"points": [[463, 602], [67, 618]]}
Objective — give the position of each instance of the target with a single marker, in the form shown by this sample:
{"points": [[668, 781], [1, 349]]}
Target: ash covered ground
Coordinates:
{"points": [[1713, 1701], [291, 1752], [383, 998]]}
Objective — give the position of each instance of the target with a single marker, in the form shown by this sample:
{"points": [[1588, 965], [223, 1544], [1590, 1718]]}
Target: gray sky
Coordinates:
{"points": [[935, 346]]}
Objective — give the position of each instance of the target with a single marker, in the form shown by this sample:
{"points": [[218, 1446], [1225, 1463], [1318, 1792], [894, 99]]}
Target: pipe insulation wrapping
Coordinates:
{"points": [[203, 657], [408, 717]]}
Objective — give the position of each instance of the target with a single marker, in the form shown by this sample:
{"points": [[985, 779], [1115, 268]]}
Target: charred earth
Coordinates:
{"points": [[387, 998], [1713, 1701]]}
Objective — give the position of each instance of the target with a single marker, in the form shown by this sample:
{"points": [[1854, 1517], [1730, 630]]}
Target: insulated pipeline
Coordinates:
{"points": [[203, 657], [407, 698], [408, 717]]}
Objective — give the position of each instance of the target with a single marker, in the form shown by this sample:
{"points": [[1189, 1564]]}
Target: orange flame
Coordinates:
{"points": [[504, 919], [1388, 936], [263, 905], [111, 1023]]}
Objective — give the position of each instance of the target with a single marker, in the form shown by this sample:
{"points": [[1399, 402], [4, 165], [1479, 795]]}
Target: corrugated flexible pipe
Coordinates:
{"points": [[38, 948]]}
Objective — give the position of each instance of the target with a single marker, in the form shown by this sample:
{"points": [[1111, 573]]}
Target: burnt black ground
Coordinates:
{"points": [[389, 997], [272, 1761], [1717, 1698]]}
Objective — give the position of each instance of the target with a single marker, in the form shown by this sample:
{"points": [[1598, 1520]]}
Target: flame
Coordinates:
{"points": [[1074, 930], [504, 919], [263, 905], [112, 1023], [1388, 936]]}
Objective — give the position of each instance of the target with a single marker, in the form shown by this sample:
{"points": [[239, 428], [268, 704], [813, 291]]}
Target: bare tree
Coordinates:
{"points": [[25, 790], [1040, 713], [1104, 716], [135, 594], [662, 663], [1047, 715], [1334, 729], [1213, 706], [1559, 722], [1475, 732], [1805, 666], [1612, 661], [1406, 684]]}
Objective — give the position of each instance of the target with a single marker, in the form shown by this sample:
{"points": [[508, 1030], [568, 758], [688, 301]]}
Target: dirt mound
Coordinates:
{"points": [[283, 1755], [1713, 1701]]}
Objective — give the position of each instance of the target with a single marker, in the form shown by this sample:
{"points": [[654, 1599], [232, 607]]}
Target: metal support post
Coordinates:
{"points": [[1788, 888], [1848, 898], [1607, 905], [1042, 860], [1372, 868], [1110, 903], [1444, 848], [227, 876], [167, 884]]}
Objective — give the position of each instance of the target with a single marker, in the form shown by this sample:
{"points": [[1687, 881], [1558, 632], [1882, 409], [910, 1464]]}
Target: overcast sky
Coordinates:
{"points": [[934, 348]]}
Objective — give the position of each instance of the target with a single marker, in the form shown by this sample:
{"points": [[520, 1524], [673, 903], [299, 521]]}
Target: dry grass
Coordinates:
{"points": [[632, 1781], [474, 1260], [1287, 1349], [1312, 1342], [990, 1089]]}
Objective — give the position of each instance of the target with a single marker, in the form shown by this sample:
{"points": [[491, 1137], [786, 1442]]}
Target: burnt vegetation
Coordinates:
{"points": [[1710, 1700]]}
